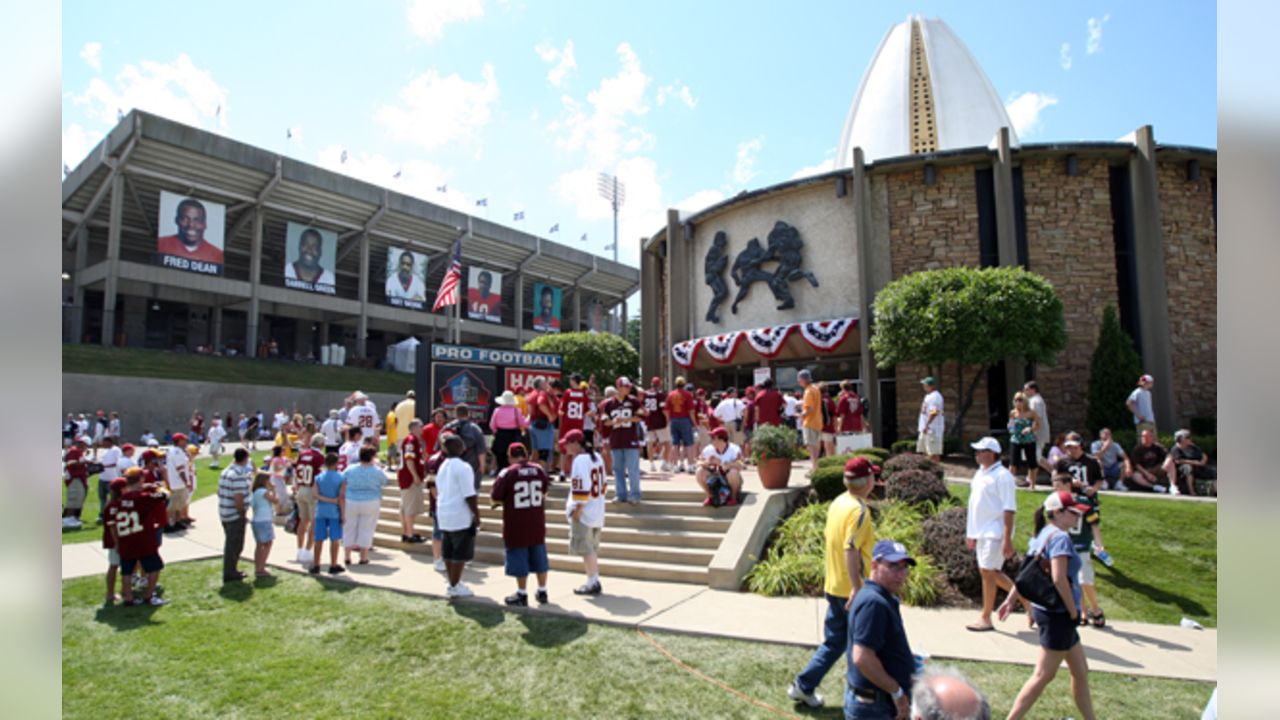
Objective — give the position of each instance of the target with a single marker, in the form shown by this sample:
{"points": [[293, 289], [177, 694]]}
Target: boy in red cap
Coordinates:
{"points": [[720, 459]]}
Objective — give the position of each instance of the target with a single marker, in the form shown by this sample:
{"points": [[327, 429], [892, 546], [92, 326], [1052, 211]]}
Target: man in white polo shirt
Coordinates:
{"points": [[989, 529]]}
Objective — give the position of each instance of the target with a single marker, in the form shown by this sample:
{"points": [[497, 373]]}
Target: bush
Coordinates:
{"points": [[1112, 374], [908, 461], [803, 532], [828, 482], [774, 441], [790, 574], [1203, 426], [903, 446], [902, 522], [876, 455], [603, 354], [944, 541], [917, 487]]}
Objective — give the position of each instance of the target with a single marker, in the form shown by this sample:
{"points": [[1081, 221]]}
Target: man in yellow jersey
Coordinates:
{"points": [[393, 440], [849, 539]]}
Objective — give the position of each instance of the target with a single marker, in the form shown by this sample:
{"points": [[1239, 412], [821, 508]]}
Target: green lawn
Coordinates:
{"points": [[206, 484], [1165, 552], [296, 646], [134, 362]]}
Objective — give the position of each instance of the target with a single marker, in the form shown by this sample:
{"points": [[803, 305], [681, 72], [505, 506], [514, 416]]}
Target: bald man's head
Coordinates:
{"points": [[942, 693]]}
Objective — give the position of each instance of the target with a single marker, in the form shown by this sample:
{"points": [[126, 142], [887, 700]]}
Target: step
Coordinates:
{"points": [[652, 492], [672, 555], [631, 536], [620, 520]]}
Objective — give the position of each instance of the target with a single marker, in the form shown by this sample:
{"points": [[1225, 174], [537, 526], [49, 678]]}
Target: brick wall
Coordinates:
{"points": [[1070, 242], [1191, 264]]}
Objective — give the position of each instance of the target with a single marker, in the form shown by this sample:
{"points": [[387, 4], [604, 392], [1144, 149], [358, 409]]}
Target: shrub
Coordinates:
{"points": [[917, 487], [924, 583], [1203, 426], [774, 441], [803, 531], [789, 574], [603, 354], [908, 461], [903, 522], [828, 482], [834, 460], [944, 541], [903, 446], [1114, 369], [878, 455]]}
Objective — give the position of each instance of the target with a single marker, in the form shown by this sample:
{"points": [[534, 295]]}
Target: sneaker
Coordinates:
{"points": [[542, 597], [157, 601], [416, 539], [336, 569], [589, 589], [440, 566], [813, 699], [517, 600], [731, 502], [653, 467], [1159, 489], [314, 569], [1173, 490], [461, 591], [666, 467], [706, 502], [1121, 486]]}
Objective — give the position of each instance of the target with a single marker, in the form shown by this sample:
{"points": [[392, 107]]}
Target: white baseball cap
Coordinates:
{"points": [[987, 443]]}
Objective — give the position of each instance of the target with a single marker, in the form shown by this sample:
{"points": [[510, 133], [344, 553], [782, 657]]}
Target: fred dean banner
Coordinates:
{"points": [[406, 285], [190, 234], [309, 258], [454, 375]]}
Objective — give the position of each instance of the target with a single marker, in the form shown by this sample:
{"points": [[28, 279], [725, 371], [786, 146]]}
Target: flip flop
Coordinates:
{"points": [[979, 628]]}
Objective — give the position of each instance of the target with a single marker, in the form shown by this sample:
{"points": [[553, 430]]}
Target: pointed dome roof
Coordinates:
{"points": [[923, 92]]}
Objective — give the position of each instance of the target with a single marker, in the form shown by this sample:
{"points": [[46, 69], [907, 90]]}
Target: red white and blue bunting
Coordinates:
{"points": [[821, 335]]}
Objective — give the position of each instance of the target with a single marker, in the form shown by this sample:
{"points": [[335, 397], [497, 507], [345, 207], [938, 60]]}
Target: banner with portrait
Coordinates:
{"points": [[189, 233], [406, 285], [595, 316], [310, 257], [546, 308], [484, 295]]}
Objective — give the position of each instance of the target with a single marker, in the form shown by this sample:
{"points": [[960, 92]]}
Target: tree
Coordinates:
{"points": [[972, 317], [1115, 368], [605, 354], [633, 332]]}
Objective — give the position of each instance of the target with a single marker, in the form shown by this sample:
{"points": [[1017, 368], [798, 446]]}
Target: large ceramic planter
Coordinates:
{"points": [[774, 472]]}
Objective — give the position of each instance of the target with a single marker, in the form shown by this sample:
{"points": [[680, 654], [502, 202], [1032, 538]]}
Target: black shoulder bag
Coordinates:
{"points": [[1035, 582]]}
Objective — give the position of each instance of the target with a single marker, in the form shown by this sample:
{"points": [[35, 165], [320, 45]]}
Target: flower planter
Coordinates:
{"points": [[774, 472]]}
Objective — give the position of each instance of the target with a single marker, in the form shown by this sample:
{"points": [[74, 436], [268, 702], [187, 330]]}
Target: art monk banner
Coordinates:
{"points": [[190, 234], [546, 308], [309, 258], [406, 278], [484, 295]]}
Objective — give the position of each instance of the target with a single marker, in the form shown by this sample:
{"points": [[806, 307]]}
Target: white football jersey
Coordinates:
{"points": [[588, 485], [364, 417]]}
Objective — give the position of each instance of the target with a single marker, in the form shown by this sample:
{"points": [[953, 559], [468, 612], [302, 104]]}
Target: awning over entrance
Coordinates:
{"points": [[824, 336]]}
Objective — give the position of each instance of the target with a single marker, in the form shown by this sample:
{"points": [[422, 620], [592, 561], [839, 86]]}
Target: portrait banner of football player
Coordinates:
{"points": [[189, 233], [309, 258], [472, 385], [406, 278], [595, 316], [546, 308], [484, 295]]}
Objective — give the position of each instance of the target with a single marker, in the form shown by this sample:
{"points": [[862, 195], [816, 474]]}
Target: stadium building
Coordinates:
{"points": [[933, 176], [175, 237]]}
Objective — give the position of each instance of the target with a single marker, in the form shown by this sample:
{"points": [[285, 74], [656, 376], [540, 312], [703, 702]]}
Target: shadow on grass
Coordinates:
{"points": [[485, 615], [549, 632], [1124, 582], [236, 590], [1032, 639], [126, 617], [1140, 639], [620, 605]]}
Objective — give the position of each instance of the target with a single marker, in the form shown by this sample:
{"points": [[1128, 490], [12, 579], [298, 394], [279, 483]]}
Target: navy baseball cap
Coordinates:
{"points": [[891, 551]]}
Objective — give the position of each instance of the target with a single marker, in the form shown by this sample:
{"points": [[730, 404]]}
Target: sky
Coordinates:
{"points": [[524, 104]]}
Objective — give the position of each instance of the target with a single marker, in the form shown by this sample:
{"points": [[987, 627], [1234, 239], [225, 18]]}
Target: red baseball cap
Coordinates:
{"points": [[517, 446], [517, 388], [126, 447], [179, 437], [573, 436], [1063, 500], [655, 380], [858, 466], [720, 433], [119, 483], [623, 381]]}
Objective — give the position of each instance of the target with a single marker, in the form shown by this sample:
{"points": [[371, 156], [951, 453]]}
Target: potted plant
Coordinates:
{"points": [[773, 447]]}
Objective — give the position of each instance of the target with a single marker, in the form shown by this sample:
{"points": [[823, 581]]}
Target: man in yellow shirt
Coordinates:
{"points": [[811, 416], [849, 540], [393, 444]]}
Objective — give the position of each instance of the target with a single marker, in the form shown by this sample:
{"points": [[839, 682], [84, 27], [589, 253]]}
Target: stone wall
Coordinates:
{"points": [[1191, 264], [933, 227], [1070, 242]]}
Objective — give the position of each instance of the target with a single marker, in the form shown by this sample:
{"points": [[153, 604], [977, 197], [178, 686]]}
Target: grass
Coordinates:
{"points": [[206, 484], [1165, 552], [296, 646], [135, 362]]}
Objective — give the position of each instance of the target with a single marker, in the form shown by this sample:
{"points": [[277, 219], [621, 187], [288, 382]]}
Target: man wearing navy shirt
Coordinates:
{"points": [[880, 660]]}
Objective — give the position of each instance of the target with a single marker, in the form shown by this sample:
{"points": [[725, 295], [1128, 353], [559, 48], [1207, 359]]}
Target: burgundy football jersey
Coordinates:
{"points": [[135, 526], [411, 451], [623, 415], [309, 466], [522, 490]]}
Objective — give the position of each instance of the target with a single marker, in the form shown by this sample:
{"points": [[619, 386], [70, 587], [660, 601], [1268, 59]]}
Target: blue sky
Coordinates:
{"points": [[523, 103]]}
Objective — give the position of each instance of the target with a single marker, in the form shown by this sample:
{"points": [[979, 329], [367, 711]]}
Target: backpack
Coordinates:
{"points": [[718, 488]]}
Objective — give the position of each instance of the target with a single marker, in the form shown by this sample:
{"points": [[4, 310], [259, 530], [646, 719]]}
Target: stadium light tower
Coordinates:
{"points": [[615, 192]]}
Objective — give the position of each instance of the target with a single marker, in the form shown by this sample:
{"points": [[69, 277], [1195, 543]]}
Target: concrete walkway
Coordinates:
{"points": [[1123, 647]]}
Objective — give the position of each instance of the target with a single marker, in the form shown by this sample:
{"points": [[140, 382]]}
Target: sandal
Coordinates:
{"points": [[1098, 619]]}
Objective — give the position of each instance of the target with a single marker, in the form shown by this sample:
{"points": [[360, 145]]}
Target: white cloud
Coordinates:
{"points": [[825, 166], [435, 111], [76, 144], [563, 59], [698, 202], [1095, 34], [91, 53], [679, 91], [1024, 111], [1064, 56], [178, 90], [427, 18], [602, 126], [745, 167], [417, 177]]}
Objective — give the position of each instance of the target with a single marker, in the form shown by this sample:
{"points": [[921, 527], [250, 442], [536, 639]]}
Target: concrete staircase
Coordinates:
{"points": [[668, 537]]}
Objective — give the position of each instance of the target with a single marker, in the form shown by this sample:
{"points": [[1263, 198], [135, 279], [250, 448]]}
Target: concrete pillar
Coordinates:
{"points": [[362, 325], [255, 281], [649, 347], [519, 310], [862, 239], [215, 333], [577, 309], [622, 326], [135, 320], [1006, 243], [113, 260], [324, 333], [680, 268], [1153, 293], [76, 331]]}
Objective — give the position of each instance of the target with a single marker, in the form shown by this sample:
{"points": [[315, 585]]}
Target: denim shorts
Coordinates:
{"points": [[263, 531], [681, 432], [522, 561]]}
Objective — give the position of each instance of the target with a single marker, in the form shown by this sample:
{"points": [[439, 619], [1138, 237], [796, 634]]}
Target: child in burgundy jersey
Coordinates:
{"points": [[136, 538], [115, 489]]}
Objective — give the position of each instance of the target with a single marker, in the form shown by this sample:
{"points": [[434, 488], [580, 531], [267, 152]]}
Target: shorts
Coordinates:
{"points": [[660, 435], [393, 450], [929, 444], [1057, 630], [522, 561], [1022, 456], [811, 436], [989, 555], [681, 432], [150, 564], [179, 499], [583, 540], [327, 528], [704, 436], [263, 531], [215, 448], [458, 545], [829, 437], [1086, 567], [411, 500], [436, 532], [113, 557], [306, 500], [542, 439], [76, 491]]}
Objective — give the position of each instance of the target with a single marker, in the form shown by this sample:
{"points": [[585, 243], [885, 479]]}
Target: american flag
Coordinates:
{"points": [[448, 293], [555, 228], [344, 156], [584, 237], [518, 216], [482, 202]]}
